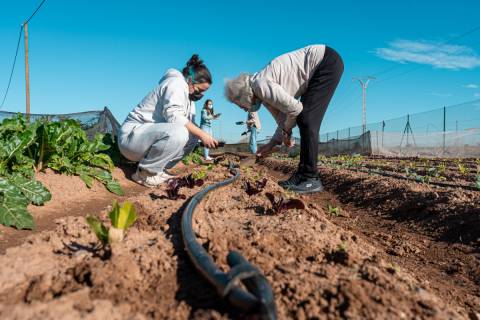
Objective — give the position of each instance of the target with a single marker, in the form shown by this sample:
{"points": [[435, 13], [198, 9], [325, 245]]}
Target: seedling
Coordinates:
{"points": [[252, 188], [462, 169], [334, 211], [193, 157], [199, 174], [340, 255], [343, 246], [442, 167], [173, 189], [280, 205], [121, 218]]}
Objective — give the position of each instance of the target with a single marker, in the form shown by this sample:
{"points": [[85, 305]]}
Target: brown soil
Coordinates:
{"points": [[320, 266], [432, 232], [70, 197], [445, 170]]}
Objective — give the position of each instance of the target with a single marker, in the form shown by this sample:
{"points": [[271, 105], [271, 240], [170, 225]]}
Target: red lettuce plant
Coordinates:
{"points": [[252, 188], [174, 185], [280, 205]]}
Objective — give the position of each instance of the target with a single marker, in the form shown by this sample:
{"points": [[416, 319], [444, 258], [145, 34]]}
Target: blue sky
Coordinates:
{"points": [[88, 54]]}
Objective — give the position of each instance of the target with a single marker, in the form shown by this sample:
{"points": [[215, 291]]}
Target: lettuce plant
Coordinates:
{"points": [[121, 218], [252, 188], [190, 181], [280, 205]]}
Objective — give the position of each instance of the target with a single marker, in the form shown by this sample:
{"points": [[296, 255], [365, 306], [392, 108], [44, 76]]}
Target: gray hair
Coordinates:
{"points": [[239, 91]]}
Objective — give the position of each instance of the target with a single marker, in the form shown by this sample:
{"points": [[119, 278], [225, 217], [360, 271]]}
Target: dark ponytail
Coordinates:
{"points": [[196, 68]]}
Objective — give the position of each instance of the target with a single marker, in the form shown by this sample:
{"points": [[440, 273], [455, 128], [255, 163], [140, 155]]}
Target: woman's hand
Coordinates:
{"points": [[287, 138], [288, 141], [266, 149], [209, 141]]}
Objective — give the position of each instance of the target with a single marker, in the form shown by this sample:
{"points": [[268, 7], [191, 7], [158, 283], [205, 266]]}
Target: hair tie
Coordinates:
{"points": [[191, 74]]}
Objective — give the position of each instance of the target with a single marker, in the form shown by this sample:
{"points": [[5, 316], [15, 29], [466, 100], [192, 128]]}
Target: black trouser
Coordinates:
{"points": [[315, 100]]}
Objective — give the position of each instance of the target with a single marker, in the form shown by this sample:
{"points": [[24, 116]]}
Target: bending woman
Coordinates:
{"points": [[206, 123], [296, 88], [161, 130]]}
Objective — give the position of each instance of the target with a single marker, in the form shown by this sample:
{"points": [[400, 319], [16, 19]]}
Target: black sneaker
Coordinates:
{"points": [[300, 184]]}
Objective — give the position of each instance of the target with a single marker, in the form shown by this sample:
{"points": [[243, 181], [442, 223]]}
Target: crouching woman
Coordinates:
{"points": [[161, 130]]}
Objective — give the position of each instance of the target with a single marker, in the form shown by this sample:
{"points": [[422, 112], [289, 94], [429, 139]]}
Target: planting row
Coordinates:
{"points": [[454, 172]]}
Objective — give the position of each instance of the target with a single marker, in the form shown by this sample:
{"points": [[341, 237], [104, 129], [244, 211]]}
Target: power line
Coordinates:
{"points": [[387, 70], [16, 51], [13, 66], [35, 12]]}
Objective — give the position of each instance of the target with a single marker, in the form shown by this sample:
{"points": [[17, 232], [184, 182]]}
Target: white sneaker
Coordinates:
{"points": [[149, 179], [208, 159]]}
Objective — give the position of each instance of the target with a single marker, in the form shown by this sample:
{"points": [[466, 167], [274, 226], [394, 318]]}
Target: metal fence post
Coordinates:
{"points": [[383, 130], [444, 126]]}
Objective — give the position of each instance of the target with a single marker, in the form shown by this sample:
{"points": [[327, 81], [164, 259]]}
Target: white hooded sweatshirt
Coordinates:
{"points": [[168, 102]]}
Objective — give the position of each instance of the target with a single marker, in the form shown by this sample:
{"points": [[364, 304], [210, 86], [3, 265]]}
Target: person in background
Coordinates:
{"points": [[160, 131], [296, 88], [253, 126], [206, 123]]}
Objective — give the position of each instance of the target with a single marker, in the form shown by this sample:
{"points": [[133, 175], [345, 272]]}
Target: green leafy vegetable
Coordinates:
{"points": [[62, 146], [121, 218], [33, 190], [13, 207], [98, 228]]}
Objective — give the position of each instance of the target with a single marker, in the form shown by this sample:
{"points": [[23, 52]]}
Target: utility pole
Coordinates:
{"points": [[364, 83], [27, 73]]}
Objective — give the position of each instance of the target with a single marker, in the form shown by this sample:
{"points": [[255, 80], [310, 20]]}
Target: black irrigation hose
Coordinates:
{"points": [[259, 297], [418, 180]]}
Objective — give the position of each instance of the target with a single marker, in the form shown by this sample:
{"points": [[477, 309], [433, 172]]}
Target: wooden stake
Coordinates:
{"points": [[27, 73]]}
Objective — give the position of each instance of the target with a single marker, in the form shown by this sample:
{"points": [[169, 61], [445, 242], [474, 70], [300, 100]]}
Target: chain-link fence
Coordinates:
{"points": [[452, 131]]}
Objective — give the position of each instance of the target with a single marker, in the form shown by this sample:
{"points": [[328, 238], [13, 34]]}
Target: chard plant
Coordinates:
{"points": [[121, 218], [26, 148]]}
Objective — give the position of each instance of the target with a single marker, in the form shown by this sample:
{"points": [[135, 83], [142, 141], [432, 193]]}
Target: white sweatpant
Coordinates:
{"points": [[156, 146]]}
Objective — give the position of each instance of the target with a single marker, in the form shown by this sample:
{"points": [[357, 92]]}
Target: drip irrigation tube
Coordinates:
{"points": [[258, 298]]}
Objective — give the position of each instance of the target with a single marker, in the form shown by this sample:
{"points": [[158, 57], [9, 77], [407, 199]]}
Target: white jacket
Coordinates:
{"points": [[168, 102], [283, 81]]}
